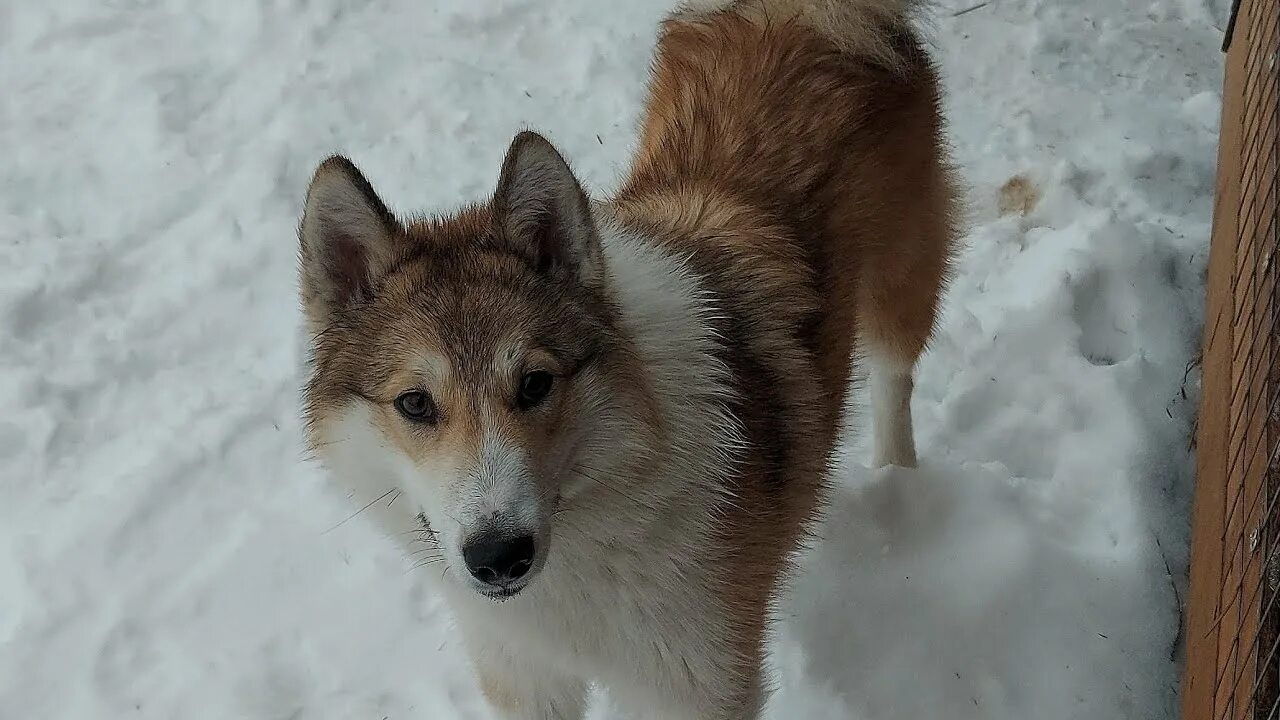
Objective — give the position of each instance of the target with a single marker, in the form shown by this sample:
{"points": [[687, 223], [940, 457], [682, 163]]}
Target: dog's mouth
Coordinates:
{"points": [[502, 594]]}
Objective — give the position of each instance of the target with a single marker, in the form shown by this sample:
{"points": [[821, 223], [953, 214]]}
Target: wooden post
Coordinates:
{"points": [[1209, 569]]}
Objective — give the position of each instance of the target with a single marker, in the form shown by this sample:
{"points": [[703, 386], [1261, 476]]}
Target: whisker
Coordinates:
{"points": [[578, 471], [425, 563], [366, 507]]}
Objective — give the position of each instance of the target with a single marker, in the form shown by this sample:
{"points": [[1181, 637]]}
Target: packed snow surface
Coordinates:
{"points": [[167, 552]]}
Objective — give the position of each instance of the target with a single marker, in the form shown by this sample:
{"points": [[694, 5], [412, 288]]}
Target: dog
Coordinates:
{"points": [[611, 421]]}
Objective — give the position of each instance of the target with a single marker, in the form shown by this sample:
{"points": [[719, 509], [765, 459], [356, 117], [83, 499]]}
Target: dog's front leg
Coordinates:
{"points": [[530, 690]]}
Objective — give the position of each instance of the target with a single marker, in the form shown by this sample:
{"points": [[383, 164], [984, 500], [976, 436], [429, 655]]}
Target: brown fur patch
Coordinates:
{"points": [[865, 28], [811, 186]]}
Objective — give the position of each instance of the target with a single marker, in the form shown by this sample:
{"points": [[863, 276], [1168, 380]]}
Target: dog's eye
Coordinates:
{"points": [[534, 386], [417, 406]]}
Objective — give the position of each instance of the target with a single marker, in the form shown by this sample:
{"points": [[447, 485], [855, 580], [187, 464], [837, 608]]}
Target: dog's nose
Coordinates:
{"points": [[498, 560]]}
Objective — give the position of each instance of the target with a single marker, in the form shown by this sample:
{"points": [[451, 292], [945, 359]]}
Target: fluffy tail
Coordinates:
{"points": [[857, 26]]}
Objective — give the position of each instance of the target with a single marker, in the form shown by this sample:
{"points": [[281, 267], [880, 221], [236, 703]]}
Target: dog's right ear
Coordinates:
{"points": [[349, 239]]}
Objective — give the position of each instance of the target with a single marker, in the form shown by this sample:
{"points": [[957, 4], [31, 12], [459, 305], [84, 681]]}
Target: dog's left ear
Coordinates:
{"points": [[543, 213]]}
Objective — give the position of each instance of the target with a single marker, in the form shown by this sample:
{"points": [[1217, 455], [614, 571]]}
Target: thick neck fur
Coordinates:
{"points": [[666, 318], [640, 485]]}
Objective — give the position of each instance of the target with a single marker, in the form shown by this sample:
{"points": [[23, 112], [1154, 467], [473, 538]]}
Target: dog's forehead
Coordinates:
{"points": [[476, 305], [490, 328], [468, 312]]}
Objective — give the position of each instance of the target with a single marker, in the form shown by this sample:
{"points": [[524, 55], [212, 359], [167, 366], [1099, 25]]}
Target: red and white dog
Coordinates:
{"points": [[617, 417]]}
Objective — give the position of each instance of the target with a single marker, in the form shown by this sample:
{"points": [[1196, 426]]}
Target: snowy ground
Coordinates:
{"points": [[165, 552]]}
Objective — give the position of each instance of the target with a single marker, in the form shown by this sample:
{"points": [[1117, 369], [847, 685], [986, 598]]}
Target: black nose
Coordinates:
{"points": [[497, 560]]}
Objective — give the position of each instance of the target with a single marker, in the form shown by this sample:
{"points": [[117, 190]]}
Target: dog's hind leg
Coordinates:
{"points": [[896, 318], [892, 428]]}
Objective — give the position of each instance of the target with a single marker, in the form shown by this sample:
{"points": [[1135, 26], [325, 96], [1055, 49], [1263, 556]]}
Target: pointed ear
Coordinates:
{"points": [[349, 238], [543, 212]]}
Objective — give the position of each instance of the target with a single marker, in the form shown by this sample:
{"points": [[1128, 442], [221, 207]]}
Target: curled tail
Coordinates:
{"points": [[865, 27]]}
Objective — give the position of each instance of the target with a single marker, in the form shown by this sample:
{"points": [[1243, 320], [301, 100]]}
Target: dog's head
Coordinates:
{"points": [[463, 367]]}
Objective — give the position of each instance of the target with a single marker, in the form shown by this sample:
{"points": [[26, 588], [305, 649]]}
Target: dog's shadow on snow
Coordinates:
{"points": [[962, 593]]}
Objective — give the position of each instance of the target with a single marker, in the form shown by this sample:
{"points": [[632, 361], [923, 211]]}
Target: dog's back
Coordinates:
{"points": [[793, 149], [823, 116]]}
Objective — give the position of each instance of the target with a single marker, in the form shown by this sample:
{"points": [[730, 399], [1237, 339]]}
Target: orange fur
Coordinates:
{"points": [[792, 151], [816, 179]]}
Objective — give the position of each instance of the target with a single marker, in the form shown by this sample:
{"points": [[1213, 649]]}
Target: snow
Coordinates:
{"points": [[167, 552]]}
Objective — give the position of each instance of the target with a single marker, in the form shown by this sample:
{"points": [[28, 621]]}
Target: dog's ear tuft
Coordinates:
{"points": [[349, 239], [543, 213]]}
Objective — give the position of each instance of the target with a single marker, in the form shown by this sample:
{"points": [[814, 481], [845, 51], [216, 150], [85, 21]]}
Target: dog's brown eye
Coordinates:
{"points": [[417, 406], [534, 386]]}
